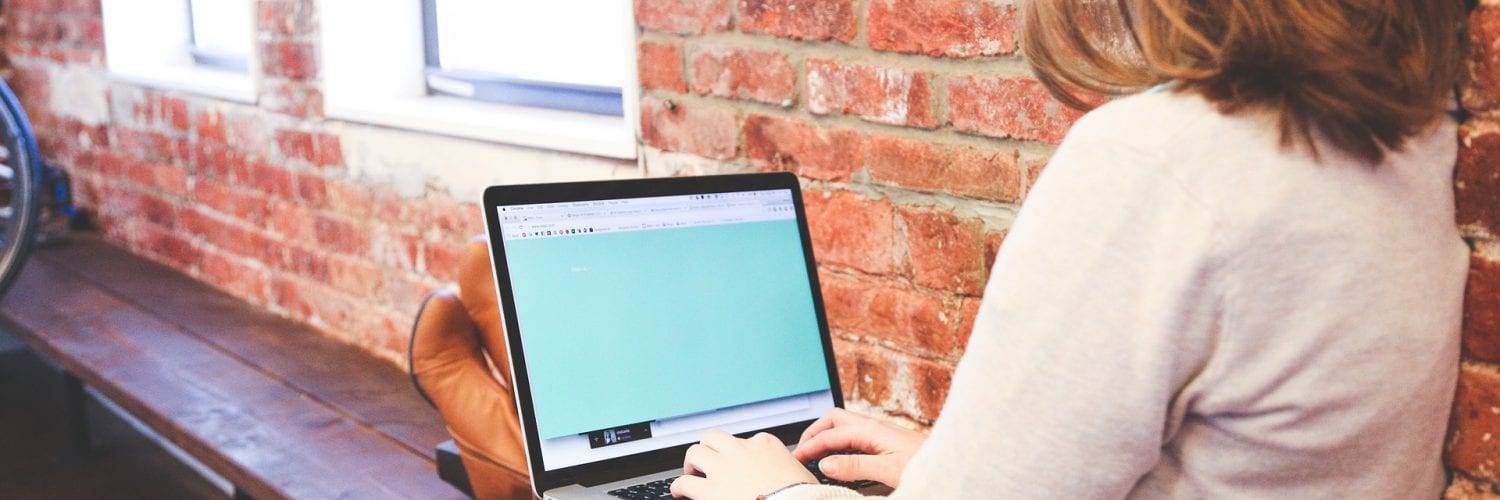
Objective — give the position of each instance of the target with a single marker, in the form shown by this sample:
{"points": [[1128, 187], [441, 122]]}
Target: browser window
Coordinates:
{"points": [[646, 321]]}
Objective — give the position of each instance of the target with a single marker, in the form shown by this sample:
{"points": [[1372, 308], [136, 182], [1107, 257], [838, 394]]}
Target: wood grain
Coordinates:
{"points": [[263, 401]]}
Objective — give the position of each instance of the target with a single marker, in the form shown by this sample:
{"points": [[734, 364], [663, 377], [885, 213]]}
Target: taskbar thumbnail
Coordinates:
{"points": [[618, 435]]}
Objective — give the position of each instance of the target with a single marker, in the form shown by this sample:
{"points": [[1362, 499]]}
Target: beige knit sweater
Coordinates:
{"points": [[1185, 309]]}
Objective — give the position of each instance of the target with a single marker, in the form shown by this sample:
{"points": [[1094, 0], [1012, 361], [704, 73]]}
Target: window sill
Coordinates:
{"points": [[190, 78], [597, 135]]}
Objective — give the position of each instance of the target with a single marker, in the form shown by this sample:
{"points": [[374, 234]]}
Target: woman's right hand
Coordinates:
{"points": [[880, 450]]}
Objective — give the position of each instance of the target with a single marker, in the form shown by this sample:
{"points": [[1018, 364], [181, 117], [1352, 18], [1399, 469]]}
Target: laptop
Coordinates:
{"points": [[641, 313]]}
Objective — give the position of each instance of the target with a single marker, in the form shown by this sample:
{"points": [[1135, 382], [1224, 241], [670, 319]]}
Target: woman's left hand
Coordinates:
{"points": [[725, 467]]}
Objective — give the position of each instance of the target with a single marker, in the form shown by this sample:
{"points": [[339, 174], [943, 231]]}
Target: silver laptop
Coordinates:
{"points": [[641, 313]]}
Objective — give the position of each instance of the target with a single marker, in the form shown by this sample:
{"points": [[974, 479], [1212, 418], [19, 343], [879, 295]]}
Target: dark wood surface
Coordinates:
{"points": [[272, 406], [122, 464]]}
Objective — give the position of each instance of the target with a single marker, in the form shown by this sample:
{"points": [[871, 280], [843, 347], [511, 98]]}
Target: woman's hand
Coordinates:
{"points": [[725, 467], [882, 449]]}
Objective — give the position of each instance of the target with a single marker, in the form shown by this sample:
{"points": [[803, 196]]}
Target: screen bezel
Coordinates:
{"points": [[628, 466]]}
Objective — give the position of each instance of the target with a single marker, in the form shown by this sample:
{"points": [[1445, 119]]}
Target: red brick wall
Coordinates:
{"points": [[917, 131], [1474, 445], [256, 199], [916, 128]]}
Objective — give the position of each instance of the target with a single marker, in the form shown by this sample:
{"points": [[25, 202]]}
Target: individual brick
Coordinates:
{"points": [[930, 381], [948, 28], [947, 253], [899, 316], [208, 125], [1473, 447], [1019, 108], [1481, 93], [285, 17], [288, 59], [317, 148], [660, 67], [706, 131], [1477, 176], [803, 148], [892, 96], [818, 20], [301, 99], [1481, 324], [991, 174], [756, 75], [684, 17], [174, 112], [852, 231]]}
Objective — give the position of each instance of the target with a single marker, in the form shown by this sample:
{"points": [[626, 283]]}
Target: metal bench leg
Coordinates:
{"points": [[75, 405]]}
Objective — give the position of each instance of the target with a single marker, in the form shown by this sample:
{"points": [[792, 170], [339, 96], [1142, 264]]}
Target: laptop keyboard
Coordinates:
{"points": [[661, 489], [658, 489], [822, 479]]}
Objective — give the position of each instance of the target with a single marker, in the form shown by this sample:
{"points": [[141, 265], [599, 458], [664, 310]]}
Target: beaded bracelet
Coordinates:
{"points": [[781, 489]]}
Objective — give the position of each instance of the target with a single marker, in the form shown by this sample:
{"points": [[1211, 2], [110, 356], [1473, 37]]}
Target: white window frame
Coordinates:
{"points": [[374, 72], [489, 85], [148, 42]]}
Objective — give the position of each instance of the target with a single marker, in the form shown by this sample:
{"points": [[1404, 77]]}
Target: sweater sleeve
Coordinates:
{"points": [[1099, 309]]}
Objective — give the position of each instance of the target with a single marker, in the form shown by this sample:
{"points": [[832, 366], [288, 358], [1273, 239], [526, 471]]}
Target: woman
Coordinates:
{"points": [[1243, 280], [1244, 283]]}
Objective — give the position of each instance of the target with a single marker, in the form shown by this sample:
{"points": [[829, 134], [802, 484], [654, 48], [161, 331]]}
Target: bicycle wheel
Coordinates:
{"points": [[20, 187]]}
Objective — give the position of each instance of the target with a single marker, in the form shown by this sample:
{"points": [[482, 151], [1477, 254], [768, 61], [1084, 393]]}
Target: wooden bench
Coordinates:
{"points": [[270, 405]]}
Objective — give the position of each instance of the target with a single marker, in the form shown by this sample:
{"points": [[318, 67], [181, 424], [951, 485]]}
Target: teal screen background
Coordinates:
{"points": [[628, 327]]}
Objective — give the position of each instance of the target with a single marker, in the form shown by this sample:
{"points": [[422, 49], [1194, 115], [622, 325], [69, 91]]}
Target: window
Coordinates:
{"points": [[220, 37], [554, 75], [200, 46], [570, 69]]}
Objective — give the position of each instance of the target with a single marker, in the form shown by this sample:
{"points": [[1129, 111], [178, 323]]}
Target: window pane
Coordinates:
{"points": [[560, 41], [222, 27]]}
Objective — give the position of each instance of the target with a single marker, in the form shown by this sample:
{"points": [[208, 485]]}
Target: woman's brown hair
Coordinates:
{"points": [[1365, 75]]}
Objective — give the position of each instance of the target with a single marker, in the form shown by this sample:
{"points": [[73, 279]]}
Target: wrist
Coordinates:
{"points": [[778, 491]]}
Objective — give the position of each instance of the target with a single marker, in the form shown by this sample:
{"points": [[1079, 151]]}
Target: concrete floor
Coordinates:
{"points": [[123, 463]]}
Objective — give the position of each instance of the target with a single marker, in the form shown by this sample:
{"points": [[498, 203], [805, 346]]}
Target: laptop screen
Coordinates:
{"points": [[646, 321]]}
